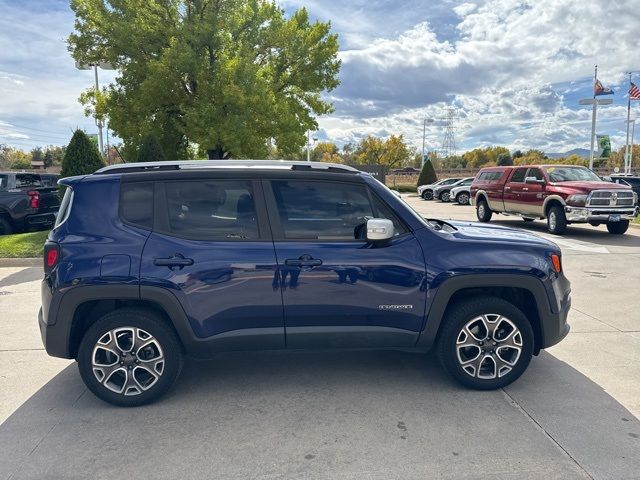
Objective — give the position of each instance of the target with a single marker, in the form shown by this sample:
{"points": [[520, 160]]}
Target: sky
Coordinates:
{"points": [[514, 70]]}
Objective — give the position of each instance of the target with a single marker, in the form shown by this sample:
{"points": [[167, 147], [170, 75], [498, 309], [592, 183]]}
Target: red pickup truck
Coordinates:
{"points": [[561, 194]]}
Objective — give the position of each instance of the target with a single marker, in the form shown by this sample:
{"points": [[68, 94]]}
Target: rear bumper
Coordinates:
{"points": [[39, 219], [582, 214]]}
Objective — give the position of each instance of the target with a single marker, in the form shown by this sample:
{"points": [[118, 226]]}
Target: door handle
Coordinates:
{"points": [[303, 261], [177, 262]]}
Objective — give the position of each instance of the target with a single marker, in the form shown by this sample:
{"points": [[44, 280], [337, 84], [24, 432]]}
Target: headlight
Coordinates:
{"points": [[577, 200]]}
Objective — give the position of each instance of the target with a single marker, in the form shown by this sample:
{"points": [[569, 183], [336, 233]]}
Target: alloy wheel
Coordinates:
{"points": [[127, 360], [463, 199], [489, 346], [553, 221]]}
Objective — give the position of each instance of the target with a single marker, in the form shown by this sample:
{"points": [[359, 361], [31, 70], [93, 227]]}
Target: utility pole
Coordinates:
{"points": [[424, 135], [98, 120], [449, 141], [308, 145]]}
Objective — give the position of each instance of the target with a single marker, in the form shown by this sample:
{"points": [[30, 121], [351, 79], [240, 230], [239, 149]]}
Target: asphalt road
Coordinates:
{"points": [[345, 415]]}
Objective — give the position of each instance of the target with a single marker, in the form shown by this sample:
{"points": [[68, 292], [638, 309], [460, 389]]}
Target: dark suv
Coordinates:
{"points": [[148, 262]]}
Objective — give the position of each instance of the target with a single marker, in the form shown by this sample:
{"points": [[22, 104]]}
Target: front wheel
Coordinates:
{"points": [[483, 212], [463, 198], [445, 196], [485, 343], [618, 228], [129, 357], [556, 220], [427, 195]]}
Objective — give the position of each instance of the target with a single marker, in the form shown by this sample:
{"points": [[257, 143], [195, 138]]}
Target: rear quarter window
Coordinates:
{"points": [[136, 204]]}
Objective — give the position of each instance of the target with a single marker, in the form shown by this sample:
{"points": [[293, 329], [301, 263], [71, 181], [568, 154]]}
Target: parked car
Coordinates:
{"points": [[561, 194], [426, 191], [27, 201], [632, 180], [203, 257], [443, 192]]}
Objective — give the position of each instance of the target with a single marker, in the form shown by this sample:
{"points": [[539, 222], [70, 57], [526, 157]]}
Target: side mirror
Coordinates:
{"points": [[379, 229], [534, 180]]}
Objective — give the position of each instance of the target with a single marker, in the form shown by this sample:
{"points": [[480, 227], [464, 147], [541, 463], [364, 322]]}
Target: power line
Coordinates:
{"points": [[4, 124]]}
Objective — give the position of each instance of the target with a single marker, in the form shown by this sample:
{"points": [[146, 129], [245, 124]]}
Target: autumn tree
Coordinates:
{"points": [[229, 76], [326, 152], [392, 152]]}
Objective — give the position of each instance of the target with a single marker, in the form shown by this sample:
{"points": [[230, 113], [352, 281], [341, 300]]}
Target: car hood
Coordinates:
{"points": [[484, 232], [587, 187]]}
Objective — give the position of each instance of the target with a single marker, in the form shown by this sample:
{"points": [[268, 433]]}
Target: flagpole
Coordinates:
{"points": [[593, 118], [627, 164]]}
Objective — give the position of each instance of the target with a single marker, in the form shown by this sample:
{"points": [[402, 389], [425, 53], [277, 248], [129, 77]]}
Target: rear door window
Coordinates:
{"points": [[518, 175], [212, 210]]}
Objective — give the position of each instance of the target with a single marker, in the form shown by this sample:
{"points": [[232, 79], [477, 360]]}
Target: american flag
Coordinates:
{"points": [[634, 92]]}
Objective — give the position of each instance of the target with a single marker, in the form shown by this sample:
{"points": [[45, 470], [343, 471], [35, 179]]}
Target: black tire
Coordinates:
{"points": [[483, 212], [5, 226], [462, 198], [445, 196], [618, 228], [170, 354], [556, 220], [427, 195], [461, 314]]}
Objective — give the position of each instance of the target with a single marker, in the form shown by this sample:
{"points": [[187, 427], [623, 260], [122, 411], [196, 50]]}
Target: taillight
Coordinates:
{"points": [[51, 256], [34, 199], [555, 261]]}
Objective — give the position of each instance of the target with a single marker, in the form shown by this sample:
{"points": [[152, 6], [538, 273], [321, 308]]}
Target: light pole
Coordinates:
{"points": [[309, 144], [595, 102], [424, 135], [95, 65]]}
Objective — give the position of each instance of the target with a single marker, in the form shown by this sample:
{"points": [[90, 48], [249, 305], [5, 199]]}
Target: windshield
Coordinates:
{"points": [[571, 174]]}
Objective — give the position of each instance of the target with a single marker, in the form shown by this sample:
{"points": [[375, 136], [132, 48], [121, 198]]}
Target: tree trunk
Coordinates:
{"points": [[215, 153]]}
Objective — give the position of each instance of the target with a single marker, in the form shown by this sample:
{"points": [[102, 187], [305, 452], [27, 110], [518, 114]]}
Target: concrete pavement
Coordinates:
{"points": [[345, 415]]}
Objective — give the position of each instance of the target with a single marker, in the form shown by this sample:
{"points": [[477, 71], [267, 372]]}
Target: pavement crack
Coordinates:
{"points": [[595, 318], [519, 407]]}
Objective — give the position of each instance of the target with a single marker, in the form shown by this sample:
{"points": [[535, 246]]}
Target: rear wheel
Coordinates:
{"points": [[556, 220], [129, 357], [618, 228], [483, 211], [5, 226], [427, 195], [486, 343], [463, 198]]}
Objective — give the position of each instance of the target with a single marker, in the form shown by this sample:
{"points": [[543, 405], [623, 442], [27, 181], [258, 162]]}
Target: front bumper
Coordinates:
{"points": [[601, 215]]}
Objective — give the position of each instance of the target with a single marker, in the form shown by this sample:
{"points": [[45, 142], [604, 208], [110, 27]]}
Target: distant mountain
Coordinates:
{"points": [[581, 152]]}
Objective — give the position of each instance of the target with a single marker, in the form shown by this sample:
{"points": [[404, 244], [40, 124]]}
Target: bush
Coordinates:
{"points": [[150, 150], [428, 174], [80, 158], [20, 164]]}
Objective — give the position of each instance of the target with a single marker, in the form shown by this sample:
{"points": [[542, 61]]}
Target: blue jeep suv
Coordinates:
{"points": [[148, 262]]}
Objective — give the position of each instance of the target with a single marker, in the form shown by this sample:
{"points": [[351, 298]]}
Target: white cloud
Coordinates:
{"points": [[464, 9]]}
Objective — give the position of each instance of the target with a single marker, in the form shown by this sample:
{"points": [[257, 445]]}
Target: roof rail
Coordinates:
{"points": [[225, 164]]}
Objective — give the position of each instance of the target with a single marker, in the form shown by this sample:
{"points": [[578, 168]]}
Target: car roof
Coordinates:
{"points": [[240, 165]]}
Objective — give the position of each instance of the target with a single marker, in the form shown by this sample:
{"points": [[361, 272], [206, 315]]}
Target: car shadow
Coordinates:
{"points": [[325, 415], [598, 235], [29, 274]]}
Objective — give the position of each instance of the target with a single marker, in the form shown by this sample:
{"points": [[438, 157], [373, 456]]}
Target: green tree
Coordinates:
{"points": [[326, 152], [504, 160], [227, 75], [427, 174], [81, 156], [150, 150], [21, 163], [37, 155]]}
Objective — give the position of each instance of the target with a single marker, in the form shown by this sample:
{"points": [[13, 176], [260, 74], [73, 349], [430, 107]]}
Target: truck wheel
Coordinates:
{"points": [[485, 343], [483, 211], [556, 220], [129, 357], [427, 195], [445, 196], [618, 228], [463, 198], [5, 226]]}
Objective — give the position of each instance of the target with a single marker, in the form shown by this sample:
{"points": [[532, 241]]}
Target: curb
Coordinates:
{"points": [[21, 262]]}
